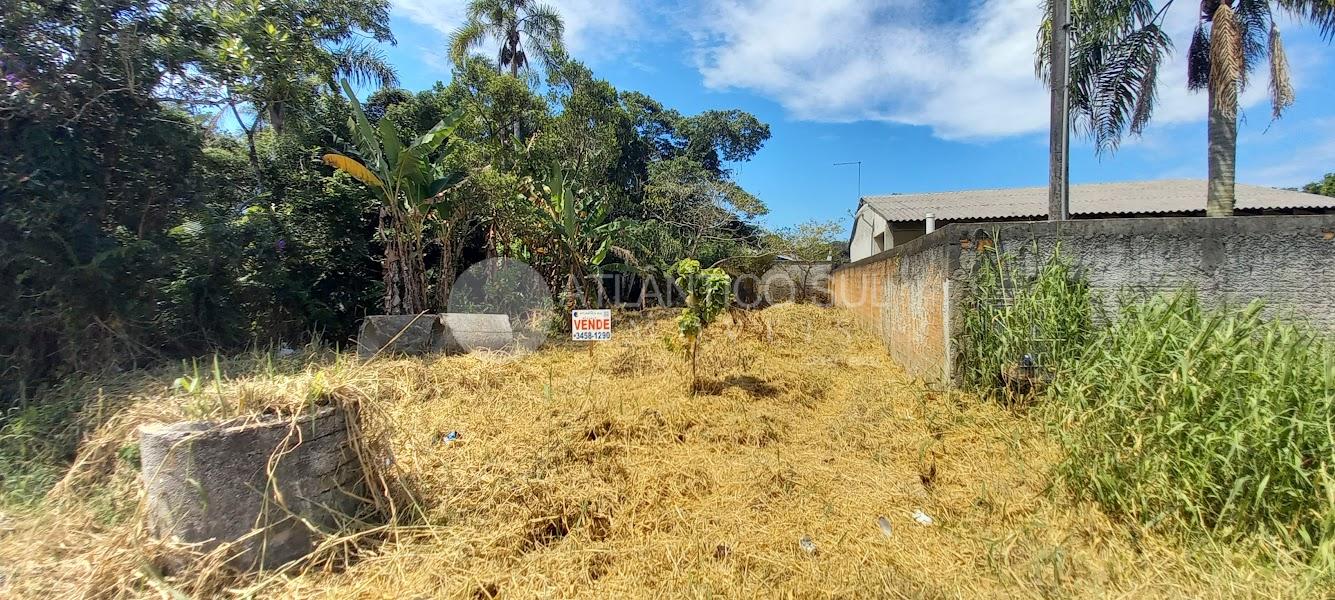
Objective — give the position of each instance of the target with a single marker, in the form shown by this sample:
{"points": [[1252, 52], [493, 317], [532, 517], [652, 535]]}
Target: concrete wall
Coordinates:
{"points": [[900, 296], [908, 295]]}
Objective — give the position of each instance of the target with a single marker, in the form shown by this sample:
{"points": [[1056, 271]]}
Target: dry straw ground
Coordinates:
{"points": [[594, 474]]}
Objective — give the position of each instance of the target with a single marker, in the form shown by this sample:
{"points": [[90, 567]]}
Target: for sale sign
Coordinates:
{"points": [[591, 325]]}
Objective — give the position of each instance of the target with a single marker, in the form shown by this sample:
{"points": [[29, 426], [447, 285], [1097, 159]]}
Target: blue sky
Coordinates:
{"points": [[929, 95]]}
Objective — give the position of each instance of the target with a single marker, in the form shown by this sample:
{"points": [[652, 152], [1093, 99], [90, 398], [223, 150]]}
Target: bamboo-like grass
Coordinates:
{"points": [[581, 473], [1206, 420], [1021, 329], [1192, 420]]}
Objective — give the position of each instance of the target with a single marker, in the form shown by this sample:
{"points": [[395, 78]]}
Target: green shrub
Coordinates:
{"points": [[1208, 420], [708, 294]]}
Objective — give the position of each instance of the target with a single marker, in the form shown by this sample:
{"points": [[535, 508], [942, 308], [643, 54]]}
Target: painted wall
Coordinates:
{"points": [[867, 225], [908, 295]]}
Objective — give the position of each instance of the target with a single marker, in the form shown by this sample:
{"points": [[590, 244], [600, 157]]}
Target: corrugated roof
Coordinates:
{"points": [[1172, 195]]}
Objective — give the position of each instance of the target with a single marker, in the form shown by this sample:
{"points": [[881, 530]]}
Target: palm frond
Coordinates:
{"points": [[1147, 96], [350, 166], [1043, 46], [543, 24], [1253, 17], [1124, 93], [1318, 12], [1117, 48], [1226, 58], [1198, 60], [364, 64], [1281, 87], [464, 39]]}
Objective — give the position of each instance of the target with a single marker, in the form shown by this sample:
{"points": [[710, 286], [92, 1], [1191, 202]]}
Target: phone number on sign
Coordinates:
{"points": [[586, 336]]}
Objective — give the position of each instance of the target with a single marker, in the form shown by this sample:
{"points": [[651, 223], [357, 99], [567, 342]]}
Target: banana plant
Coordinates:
{"points": [[411, 182], [579, 224]]}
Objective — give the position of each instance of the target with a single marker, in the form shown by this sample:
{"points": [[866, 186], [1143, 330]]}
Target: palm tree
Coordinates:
{"points": [[1118, 46], [520, 27]]}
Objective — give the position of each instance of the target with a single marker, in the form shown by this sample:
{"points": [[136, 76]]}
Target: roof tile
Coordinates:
{"points": [[1172, 195]]}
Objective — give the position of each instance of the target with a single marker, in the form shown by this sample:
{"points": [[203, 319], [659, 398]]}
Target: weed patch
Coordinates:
{"points": [[1183, 418]]}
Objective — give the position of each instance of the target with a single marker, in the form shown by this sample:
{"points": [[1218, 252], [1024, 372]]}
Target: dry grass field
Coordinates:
{"points": [[583, 473]]}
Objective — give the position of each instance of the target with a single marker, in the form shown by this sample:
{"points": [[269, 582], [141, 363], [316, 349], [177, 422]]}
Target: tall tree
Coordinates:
{"points": [[519, 27], [92, 171], [1119, 46], [267, 59]]}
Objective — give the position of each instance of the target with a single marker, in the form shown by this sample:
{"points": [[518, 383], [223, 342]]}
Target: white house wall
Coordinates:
{"points": [[866, 227]]}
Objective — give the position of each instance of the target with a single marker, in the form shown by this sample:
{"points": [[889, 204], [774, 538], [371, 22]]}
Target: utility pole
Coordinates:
{"points": [[1059, 171], [859, 164]]}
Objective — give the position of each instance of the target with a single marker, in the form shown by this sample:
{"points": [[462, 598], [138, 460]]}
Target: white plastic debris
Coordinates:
{"points": [[922, 518], [886, 529]]}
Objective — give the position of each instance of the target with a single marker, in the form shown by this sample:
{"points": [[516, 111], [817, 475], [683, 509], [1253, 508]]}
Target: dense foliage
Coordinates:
{"points": [[1020, 330], [164, 194], [1206, 420]]}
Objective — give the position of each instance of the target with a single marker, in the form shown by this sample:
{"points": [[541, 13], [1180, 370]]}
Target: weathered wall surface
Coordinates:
{"points": [[209, 484], [1289, 261], [902, 296]]}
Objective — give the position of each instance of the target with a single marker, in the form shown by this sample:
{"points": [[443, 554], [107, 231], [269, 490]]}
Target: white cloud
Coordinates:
{"points": [[968, 76], [847, 60], [590, 24]]}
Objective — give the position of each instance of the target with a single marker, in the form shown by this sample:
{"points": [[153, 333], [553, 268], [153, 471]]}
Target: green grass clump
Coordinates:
{"points": [[1021, 329], [36, 443], [1211, 420]]}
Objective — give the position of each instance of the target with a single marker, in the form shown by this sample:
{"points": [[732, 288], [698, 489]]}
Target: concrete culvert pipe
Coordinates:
{"points": [[466, 332], [398, 334], [448, 333], [252, 485]]}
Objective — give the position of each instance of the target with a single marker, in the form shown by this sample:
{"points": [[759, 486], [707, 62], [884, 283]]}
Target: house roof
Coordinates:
{"points": [[1164, 196]]}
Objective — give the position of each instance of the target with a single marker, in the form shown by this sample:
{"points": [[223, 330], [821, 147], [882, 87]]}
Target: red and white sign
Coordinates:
{"points": [[591, 325]]}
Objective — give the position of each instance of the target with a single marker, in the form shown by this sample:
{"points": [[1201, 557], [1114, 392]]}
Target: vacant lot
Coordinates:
{"points": [[581, 473]]}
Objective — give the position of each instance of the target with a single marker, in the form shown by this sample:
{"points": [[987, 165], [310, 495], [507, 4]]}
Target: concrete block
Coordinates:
{"points": [[251, 484], [465, 332], [398, 334]]}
